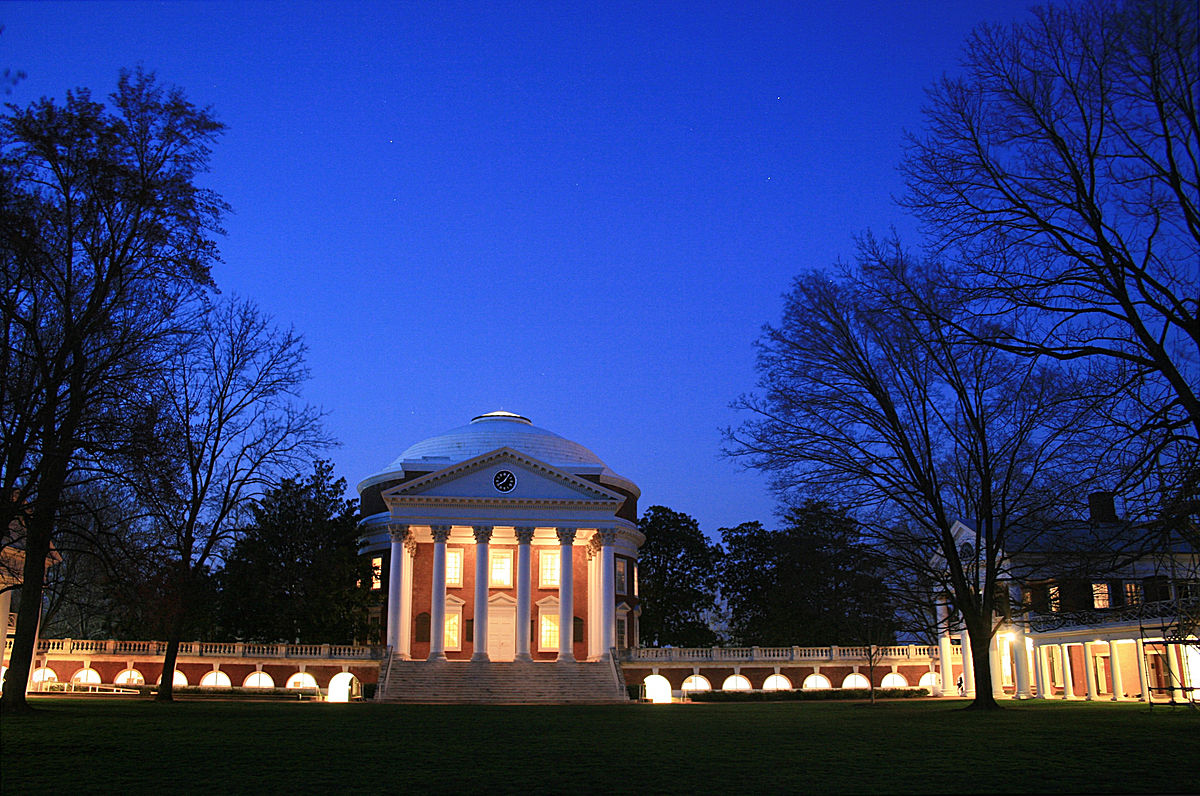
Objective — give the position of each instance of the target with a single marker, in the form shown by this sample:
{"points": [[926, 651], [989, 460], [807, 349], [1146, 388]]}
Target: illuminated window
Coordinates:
{"points": [[1100, 595], [1053, 599], [178, 679], [622, 633], [87, 676], [736, 682], [129, 677], [816, 682], [548, 632], [548, 568], [1133, 593], [376, 573], [894, 680], [301, 680], [453, 637], [622, 586], [855, 680], [696, 682], [502, 569], [454, 567], [258, 680], [215, 680], [44, 674], [777, 682], [658, 689]]}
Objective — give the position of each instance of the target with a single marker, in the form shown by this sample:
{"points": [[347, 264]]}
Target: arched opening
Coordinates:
{"points": [[88, 676], [658, 689], [258, 680], [735, 682], [777, 682], [129, 677], [215, 680], [343, 687], [696, 682], [301, 680], [894, 680], [856, 680], [929, 680], [815, 682], [42, 676]]}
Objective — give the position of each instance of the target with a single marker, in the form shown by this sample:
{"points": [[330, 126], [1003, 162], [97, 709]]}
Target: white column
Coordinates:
{"points": [[524, 587], [5, 606], [566, 595], [1143, 675], [437, 607], [1114, 665], [996, 665], [968, 664], [406, 597], [1089, 671], [398, 534], [945, 650], [1068, 682], [483, 535], [608, 592]]}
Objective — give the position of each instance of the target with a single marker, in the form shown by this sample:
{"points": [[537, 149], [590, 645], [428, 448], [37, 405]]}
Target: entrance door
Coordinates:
{"points": [[502, 631]]}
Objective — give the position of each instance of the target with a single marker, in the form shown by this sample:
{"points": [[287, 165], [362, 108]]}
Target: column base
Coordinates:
{"points": [[568, 658], [480, 657], [523, 658], [436, 656]]}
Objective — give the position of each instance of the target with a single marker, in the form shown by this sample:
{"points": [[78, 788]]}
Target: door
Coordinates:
{"points": [[502, 632]]}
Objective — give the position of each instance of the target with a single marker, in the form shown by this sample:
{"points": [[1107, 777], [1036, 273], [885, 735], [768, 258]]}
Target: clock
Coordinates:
{"points": [[504, 481]]}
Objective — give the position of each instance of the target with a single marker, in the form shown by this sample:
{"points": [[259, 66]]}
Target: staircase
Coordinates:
{"points": [[465, 682]]}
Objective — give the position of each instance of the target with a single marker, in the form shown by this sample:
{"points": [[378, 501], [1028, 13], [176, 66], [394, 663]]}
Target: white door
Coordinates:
{"points": [[502, 632]]}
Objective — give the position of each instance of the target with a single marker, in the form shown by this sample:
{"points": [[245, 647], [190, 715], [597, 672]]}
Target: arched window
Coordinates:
{"points": [[777, 682], [301, 680], [44, 674], [815, 681], [894, 680], [215, 680], [88, 676], [735, 682], [258, 680], [343, 687], [179, 679], [696, 682], [422, 630], [929, 680], [855, 680], [658, 689], [129, 677]]}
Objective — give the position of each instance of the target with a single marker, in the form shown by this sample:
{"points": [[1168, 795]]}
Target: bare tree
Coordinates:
{"points": [[103, 234], [869, 403], [1061, 172], [230, 425]]}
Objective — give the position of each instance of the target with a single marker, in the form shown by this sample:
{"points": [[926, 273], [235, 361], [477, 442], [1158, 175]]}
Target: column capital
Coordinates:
{"points": [[483, 533], [397, 532], [410, 545], [524, 534], [607, 536], [566, 536], [441, 533]]}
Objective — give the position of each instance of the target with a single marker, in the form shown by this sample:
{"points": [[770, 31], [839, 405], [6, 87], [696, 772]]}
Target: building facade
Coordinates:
{"points": [[501, 541]]}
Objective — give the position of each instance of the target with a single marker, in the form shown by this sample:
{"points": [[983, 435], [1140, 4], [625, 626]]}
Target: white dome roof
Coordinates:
{"points": [[486, 433]]}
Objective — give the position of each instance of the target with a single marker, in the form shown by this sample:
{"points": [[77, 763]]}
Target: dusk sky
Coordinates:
{"points": [[582, 213]]}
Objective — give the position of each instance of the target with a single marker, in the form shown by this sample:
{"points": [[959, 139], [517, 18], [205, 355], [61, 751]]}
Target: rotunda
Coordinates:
{"points": [[502, 541]]}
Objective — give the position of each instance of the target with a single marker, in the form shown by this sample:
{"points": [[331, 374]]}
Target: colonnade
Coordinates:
{"points": [[399, 605]]}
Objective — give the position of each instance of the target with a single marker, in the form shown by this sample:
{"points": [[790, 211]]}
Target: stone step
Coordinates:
{"points": [[504, 682]]}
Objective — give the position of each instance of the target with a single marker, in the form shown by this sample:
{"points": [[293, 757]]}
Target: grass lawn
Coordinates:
{"points": [[895, 747]]}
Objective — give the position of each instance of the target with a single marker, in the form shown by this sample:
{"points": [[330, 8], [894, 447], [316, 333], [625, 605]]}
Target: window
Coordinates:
{"points": [[622, 642], [376, 573], [894, 680], [454, 568], [301, 680], [736, 682], [1053, 599], [622, 586], [1100, 596], [1133, 593], [258, 680], [777, 682], [815, 682], [216, 679], [696, 682], [856, 680], [548, 569], [502, 569], [455, 627], [548, 632]]}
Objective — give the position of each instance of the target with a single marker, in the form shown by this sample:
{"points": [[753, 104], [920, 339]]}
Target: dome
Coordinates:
{"points": [[488, 432], [497, 430]]}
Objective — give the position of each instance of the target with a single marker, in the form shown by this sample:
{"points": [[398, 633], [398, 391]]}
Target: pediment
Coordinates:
{"points": [[475, 480]]}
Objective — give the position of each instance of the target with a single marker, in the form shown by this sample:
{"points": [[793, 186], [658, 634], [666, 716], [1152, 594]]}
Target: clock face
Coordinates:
{"points": [[504, 481]]}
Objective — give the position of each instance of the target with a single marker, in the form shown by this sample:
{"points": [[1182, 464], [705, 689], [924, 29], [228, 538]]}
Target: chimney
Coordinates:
{"points": [[1101, 508]]}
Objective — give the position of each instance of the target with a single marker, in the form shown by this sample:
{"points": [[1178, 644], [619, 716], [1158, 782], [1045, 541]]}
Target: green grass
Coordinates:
{"points": [[136, 746]]}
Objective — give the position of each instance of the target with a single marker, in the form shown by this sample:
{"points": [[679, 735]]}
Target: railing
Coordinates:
{"points": [[204, 649], [775, 654], [1165, 612]]}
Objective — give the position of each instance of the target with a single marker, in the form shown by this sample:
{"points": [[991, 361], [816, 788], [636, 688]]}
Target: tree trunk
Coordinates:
{"points": [[29, 612], [166, 685], [981, 666]]}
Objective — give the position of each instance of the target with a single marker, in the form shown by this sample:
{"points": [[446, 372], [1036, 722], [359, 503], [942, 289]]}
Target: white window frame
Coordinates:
{"points": [[621, 573], [1100, 595], [454, 554], [500, 555], [454, 608], [549, 580], [548, 615]]}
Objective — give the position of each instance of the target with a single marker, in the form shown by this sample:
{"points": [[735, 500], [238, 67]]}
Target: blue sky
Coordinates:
{"points": [[583, 213]]}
